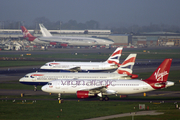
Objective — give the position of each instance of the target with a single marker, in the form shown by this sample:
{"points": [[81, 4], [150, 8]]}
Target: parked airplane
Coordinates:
{"points": [[42, 78], [111, 63], [64, 41], [103, 87], [98, 41]]}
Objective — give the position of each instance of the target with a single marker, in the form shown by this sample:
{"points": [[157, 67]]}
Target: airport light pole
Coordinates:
{"points": [[22, 22], [59, 27], [2, 23]]}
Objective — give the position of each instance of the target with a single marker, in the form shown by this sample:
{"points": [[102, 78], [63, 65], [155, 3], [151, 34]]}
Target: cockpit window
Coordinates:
{"points": [[49, 83], [26, 76], [46, 64], [32, 76]]}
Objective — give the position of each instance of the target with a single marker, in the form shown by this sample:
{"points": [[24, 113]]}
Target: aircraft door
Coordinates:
{"points": [[58, 85], [145, 87]]}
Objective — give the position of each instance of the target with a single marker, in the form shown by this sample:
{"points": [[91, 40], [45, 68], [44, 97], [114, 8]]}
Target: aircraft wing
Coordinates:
{"points": [[98, 89], [102, 90], [75, 69]]}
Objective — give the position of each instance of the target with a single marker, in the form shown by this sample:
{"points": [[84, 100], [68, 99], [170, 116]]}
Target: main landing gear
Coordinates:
{"points": [[59, 96], [35, 88], [105, 98]]}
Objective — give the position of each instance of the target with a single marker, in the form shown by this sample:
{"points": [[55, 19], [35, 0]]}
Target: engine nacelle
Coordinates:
{"points": [[84, 94], [133, 76]]}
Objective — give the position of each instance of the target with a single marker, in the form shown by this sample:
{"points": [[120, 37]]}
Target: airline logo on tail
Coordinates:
{"points": [[159, 76], [127, 65], [114, 58], [26, 34]]}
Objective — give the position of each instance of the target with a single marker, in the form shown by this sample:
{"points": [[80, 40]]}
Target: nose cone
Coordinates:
{"points": [[111, 42], [42, 67], [169, 83], [21, 80], [44, 88]]}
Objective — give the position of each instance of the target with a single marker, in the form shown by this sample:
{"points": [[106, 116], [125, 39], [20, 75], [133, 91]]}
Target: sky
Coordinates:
{"points": [[106, 12]]}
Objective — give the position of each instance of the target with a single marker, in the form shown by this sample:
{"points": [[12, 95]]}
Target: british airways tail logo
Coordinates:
{"points": [[159, 76], [117, 53], [114, 57]]}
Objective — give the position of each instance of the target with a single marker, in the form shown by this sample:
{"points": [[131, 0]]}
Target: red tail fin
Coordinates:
{"points": [[26, 34], [162, 72]]}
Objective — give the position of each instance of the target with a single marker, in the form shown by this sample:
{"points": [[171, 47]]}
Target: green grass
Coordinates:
{"points": [[154, 50], [39, 59], [93, 57], [68, 110], [20, 63]]}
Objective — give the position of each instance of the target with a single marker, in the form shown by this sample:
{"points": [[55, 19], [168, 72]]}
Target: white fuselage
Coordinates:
{"points": [[41, 78], [81, 41], [83, 66], [114, 86]]}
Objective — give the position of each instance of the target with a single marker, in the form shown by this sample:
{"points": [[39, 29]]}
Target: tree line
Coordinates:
{"points": [[91, 24]]}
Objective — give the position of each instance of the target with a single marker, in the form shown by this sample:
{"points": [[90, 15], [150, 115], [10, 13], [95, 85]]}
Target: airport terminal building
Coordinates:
{"points": [[152, 39]]}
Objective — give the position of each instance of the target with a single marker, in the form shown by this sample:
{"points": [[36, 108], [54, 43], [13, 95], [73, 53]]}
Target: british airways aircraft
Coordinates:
{"points": [[42, 78], [47, 38], [85, 88], [111, 63]]}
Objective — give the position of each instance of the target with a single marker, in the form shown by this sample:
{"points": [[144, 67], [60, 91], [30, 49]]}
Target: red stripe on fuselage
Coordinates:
{"points": [[37, 75]]}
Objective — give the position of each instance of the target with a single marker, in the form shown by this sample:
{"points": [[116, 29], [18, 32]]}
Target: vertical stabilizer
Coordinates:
{"points": [[162, 72], [127, 66], [114, 58], [26, 34], [159, 78], [44, 31]]}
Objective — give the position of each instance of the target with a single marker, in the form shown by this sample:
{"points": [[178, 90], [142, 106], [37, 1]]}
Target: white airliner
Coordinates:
{"points": [[64, 41], [42, 78], [111, 63], [103, 87]]}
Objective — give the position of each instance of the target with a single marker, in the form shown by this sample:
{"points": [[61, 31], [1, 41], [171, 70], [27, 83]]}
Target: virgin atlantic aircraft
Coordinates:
{"points": [[103, 87], [47, 38]]}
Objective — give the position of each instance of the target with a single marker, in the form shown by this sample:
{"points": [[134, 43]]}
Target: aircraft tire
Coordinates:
{"points": [[101, 98], [106, 98]]}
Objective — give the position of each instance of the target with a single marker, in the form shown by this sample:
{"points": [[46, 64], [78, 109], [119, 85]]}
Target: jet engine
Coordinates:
{"points": [[84, 94]]}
